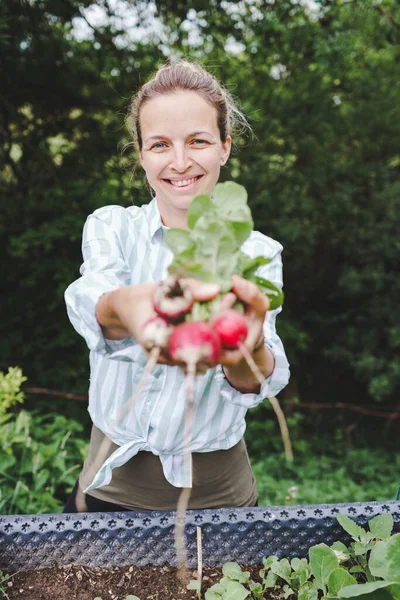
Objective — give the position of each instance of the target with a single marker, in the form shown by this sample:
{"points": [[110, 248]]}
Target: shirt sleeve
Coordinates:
{"points": [[104, 269], [279, 377]]}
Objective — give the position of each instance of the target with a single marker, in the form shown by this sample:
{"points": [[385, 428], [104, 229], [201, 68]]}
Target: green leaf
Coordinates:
{"points": [[194, 584], [299, 564], [393, 557], [218, 588], [342, 549], [179, 241], [248, 266], [350, 526], [212, 595], [295, 563], [361, 589], [234, 572], [268, 562], [257, 590], [381, 526], [287, 591], [230, 200], [282, 569], [308, 591], [338, 579], [322, 562], [362, 548], [270, 580], [235, 591], [377, 561], [394, 589], [229, 194], [274, 294], [130, 597], [216, 251], [356, 569], [198, 206], [241, 230]]}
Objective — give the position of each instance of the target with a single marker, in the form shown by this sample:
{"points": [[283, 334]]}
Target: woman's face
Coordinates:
{"points": [[182, 152]]}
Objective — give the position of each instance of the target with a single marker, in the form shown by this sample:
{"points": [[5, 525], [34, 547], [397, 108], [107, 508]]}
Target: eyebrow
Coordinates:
{"points": [[165, 137]]}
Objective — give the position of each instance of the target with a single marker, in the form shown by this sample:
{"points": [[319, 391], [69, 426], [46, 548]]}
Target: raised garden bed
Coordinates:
{"points": [[139, 546]]}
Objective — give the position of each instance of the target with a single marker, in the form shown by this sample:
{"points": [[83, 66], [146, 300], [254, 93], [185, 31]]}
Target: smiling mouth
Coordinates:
{"points": [[184, 183]]}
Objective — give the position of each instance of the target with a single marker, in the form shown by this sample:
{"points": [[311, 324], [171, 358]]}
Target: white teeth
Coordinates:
{"points": [[183, 182]]}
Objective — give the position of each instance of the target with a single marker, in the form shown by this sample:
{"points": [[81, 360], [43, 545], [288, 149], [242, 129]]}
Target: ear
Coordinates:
{"points": [[226, 150], [140, 156]]}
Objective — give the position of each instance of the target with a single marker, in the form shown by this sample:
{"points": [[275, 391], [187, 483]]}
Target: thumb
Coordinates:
{"points": [[250, 294], [202, 290]]}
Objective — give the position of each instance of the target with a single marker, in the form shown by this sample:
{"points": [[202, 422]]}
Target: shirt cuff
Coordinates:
{"points": [[92, 331], [271, 386]]}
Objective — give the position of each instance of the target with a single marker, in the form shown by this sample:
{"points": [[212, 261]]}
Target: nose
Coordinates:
{"points": [[181, 160]]}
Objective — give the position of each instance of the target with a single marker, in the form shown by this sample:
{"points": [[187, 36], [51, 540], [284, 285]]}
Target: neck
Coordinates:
{"points": [[173, 217]]}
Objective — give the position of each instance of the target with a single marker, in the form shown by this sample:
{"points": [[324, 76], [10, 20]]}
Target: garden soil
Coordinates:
{"points": [[74, 582]]}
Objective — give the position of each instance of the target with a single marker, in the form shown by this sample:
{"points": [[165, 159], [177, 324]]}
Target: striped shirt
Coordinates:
{"points": [[126, 246]]}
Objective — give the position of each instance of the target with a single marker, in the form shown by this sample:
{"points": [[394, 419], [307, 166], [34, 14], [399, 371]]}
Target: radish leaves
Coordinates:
{"points": [[211, 251]]}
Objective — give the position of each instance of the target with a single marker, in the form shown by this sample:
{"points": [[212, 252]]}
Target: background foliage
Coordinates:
{"points": [[320, 83], [42, 455]]}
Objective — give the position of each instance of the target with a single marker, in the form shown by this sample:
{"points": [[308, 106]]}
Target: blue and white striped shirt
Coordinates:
{"points": [[125, 246]]}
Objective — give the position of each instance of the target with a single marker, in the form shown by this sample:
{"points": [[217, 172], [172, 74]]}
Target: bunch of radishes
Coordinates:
{"points": [[195, 344]]}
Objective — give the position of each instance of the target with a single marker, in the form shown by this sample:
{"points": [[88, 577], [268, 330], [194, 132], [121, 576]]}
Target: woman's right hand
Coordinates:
{"points": [[124, 312]]}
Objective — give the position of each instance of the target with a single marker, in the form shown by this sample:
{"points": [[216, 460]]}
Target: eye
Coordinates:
{"points": [[158, 146], [199, 142]]}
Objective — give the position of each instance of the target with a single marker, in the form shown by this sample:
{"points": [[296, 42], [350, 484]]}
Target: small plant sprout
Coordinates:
{"points": [[173, 299], [231, 328], [195, 345]]}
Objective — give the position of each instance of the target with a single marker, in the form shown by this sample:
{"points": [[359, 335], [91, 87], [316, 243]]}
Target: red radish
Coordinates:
{"points": [[156, 333], [193, 343], [231, 327], [173, 299]]}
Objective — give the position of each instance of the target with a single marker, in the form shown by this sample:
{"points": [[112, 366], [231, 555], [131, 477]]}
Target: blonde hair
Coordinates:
{"points": [[185, 75]]}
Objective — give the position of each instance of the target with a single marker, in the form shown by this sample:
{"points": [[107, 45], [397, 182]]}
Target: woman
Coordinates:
{"points": [[181, 122]]}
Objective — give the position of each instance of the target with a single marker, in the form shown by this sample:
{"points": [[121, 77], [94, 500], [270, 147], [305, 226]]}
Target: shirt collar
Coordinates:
{"points": [[154, 218]]}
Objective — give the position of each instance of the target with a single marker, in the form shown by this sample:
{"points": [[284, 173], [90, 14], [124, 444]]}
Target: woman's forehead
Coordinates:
{"points": [[182, 112]]}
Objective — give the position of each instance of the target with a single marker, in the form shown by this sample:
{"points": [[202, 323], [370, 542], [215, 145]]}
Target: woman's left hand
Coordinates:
{"points": [[256, 305]]}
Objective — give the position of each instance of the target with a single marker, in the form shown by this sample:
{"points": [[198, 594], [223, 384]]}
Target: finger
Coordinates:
{"points": [[250, 294], [228, 301], [202, 290]]}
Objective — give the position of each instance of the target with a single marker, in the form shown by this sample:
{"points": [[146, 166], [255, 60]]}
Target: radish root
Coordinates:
{"points": [[274, 403], [183, 502], [199, 558]]}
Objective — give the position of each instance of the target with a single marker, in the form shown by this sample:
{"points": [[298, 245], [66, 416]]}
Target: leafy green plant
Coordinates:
{"points": [[41, 456], [230, 587], [3, 588], [324, 574], [10, 392], [211, 252], [332, 476]]}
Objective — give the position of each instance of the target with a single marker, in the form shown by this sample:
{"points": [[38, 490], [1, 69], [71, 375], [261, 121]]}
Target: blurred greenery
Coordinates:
{"points": [[360, 475], [333, 467], [320, 84], [43, 454]]}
